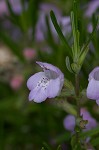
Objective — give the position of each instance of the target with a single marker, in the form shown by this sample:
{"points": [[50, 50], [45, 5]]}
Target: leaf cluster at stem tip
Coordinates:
{"points": [[76, 53]]}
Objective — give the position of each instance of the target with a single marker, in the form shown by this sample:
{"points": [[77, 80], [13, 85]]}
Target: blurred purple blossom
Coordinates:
{"points": [[41, 29], [3, 8], [91, 121], [15, 4], [92, 7], [47, 84], [66, 24], [69, 122], [44, 10], [89, 27], [93, 85]]}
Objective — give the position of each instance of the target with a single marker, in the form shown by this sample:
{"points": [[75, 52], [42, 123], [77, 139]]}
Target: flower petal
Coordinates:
{"points": [[97, 101], [91, 75], [91, 123], [69, 122], [51, 74], [52, 68], [38, 95], [53, 88], [84, 113], [32, 81], [49, 67], [93, 89]]}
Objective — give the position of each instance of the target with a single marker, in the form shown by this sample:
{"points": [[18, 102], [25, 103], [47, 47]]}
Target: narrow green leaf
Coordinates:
{"points": [[75, 10], [68, 64], [83, 56], [74, 48], [49, 28], [49, 35], [32, 14], [63, 39], [23, 21], [14, 18], [76, 36], [85, 48]]}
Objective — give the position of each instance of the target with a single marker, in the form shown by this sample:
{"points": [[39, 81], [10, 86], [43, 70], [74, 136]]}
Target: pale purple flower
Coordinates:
{"points": [[65, 25], [16, 6], [69, 122], [86, 116], [89, 27], [3, 8], [46, 84], [93, 86], [92, 7], [41, 28]]}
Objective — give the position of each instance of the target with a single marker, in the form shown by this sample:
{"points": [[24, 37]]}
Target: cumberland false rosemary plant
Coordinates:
{"points": [[49, 83]]}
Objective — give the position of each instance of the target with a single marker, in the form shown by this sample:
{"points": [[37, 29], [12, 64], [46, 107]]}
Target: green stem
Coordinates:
{"points": [[77, 94], [78, 103]]}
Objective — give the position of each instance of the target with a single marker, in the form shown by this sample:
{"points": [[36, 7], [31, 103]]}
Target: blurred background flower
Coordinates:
{"points": [[16, 82], [29, 53], [70, 121]]}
